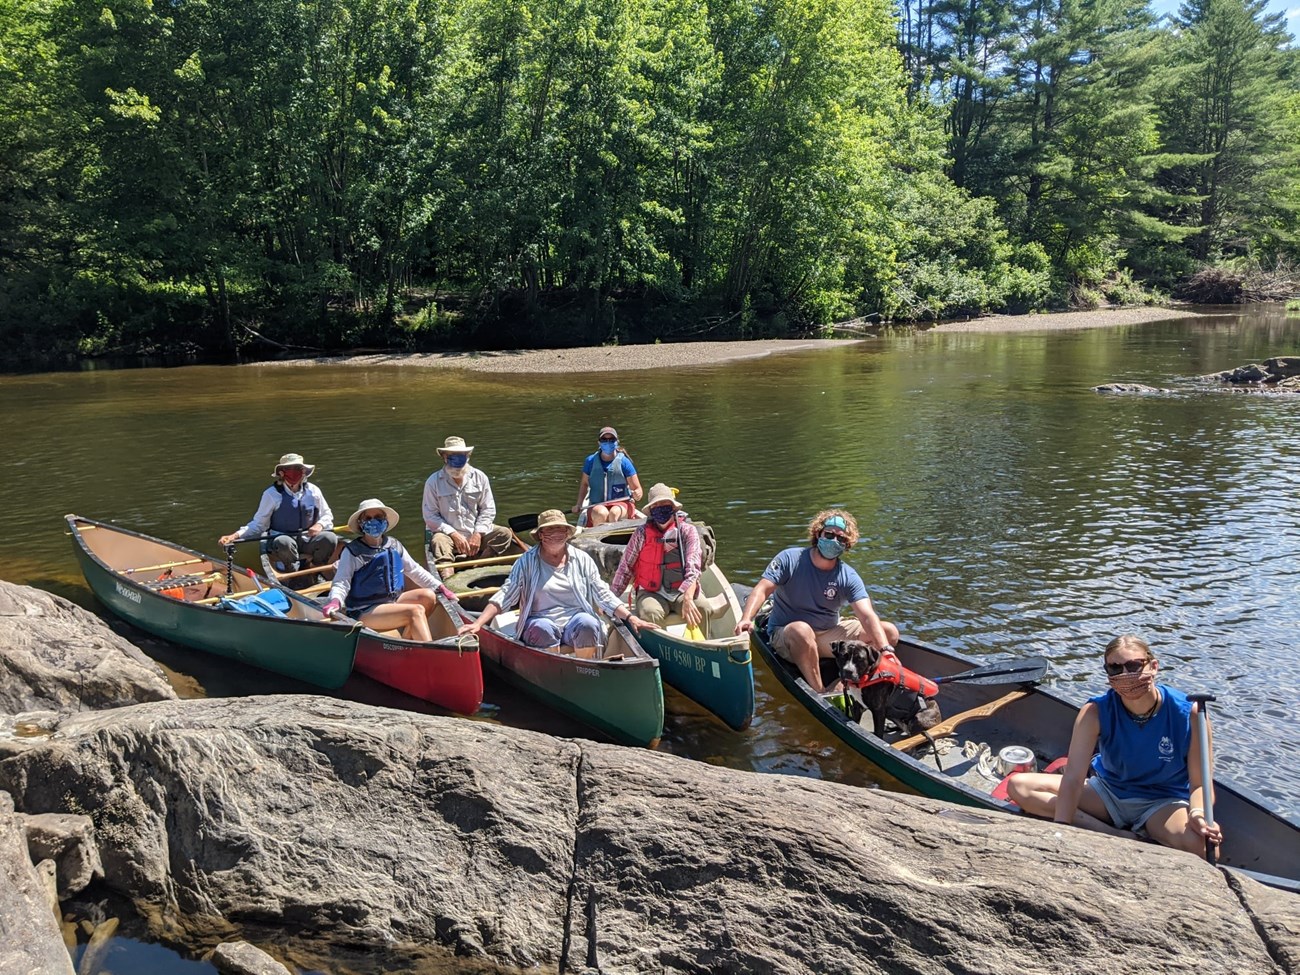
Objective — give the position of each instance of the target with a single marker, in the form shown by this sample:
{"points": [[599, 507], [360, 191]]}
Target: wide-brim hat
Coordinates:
{"points": [[369, 504], [660, 493], [294, 460], [455, 445], [552, 518]]}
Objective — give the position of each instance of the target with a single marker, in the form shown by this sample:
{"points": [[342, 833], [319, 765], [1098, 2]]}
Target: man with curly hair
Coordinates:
{"points": [[809, 585]]}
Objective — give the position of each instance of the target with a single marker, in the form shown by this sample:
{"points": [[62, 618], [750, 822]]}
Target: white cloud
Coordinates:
{"points": [[1293, 14]]}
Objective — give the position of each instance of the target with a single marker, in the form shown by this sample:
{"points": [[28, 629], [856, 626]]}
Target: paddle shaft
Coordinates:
{"points": [[1207, 766], [163, 565]]}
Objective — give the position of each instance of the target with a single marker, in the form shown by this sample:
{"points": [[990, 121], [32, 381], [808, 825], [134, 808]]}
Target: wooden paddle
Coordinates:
{"points": [[494, 560], [951, 724], [163, 565]]}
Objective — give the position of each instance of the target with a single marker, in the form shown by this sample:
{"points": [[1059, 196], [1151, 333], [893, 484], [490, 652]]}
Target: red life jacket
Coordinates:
{"points": [[890, 670], [657, 566]]}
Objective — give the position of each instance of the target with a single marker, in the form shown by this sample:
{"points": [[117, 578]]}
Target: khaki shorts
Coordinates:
{"points": [[848, 629]]}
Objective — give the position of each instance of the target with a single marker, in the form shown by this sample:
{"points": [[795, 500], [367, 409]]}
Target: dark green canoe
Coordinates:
{"points": [[623, 698], [175, 592], [716, 672], [988, 718]]}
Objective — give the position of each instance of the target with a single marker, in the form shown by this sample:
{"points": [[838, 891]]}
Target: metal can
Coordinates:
{"points": [[1017, 758]]}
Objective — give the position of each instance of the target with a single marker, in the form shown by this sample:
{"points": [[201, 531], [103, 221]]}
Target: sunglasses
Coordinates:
{"points": [[608, 440], [1127, 667], [838, 536]]}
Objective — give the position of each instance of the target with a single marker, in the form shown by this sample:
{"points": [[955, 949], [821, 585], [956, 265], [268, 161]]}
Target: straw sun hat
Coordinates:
{"points": [[294, 460], [552, 518], [368, 505], [455, 445]]}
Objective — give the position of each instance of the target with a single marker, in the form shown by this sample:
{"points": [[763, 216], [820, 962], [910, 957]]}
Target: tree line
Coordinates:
{"points": [[205, 174]]}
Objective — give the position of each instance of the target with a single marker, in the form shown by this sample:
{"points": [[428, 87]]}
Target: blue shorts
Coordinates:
{"points": [[1130, 813]]}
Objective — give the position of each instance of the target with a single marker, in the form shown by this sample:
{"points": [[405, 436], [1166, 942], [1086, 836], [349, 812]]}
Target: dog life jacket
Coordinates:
{"points": [[890, 670], [380, 578], [295, 513], [659, 567]]}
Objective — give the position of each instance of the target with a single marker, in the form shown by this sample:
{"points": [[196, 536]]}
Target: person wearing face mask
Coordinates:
{"points": [[809, 585], [371, 577], [295, 513], [1147, 768], [609, 488], [459, 510], [663, 562], [558, 590]]}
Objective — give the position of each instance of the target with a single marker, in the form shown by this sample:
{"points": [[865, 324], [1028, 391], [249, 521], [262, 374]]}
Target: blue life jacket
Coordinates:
{"points": [[295, 514], [610, 477], [380, 578]]}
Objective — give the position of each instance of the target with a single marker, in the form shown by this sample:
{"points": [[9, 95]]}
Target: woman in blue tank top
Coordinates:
{"points": [[1147, 768]]}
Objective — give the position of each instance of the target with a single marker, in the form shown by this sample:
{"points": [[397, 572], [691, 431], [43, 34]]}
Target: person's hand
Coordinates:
{"points": [[744, 626], [449, 594], [470, 629], [460, 543], [1212, 833], [575, 509], [691, 613], [475, 543], [638, 624], [225, 540], [331, 607], [315, 529]]}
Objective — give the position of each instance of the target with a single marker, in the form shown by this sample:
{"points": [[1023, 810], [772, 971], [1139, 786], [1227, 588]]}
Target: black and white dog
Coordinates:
{"points": [[879, 693]]}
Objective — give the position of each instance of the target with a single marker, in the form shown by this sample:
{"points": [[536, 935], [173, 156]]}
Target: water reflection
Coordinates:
{"points": [[1006, 509]]}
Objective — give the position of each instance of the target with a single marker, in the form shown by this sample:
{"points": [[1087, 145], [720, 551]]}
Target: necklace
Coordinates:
{"points": [[1148, 714]]}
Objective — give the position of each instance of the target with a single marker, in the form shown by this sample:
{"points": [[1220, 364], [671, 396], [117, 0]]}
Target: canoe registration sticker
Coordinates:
{"points": [[588, 671], [126, 593]]}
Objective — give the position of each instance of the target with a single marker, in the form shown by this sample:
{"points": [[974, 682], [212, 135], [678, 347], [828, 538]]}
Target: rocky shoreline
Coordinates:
{"points": [[426, 843], [676, 355]]}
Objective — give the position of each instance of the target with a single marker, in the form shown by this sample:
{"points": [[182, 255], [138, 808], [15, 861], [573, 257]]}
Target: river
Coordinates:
{"points": [[1006, 509]]}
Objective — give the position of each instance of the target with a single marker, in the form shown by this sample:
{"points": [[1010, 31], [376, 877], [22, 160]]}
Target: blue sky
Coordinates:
{"points": [[1289, 9]]}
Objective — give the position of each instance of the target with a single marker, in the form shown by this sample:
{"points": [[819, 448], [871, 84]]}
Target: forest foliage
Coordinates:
{"points": [[202, 174]]}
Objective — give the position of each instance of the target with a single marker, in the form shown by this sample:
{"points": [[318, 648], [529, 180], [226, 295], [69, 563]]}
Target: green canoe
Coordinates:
{"points": [[715, 672], [620, 695], [176, 593]]}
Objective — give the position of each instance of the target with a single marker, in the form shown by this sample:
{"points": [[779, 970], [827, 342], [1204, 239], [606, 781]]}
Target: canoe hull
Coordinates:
{"points": [[623, 700], [447, 672], [717, 673], [1258, 839], [307, 649]]}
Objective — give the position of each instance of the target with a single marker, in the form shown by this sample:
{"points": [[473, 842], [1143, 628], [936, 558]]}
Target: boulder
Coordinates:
{"points": [[68, 841], [54, 655], [1127, 388], [241, 958], [407, 833], [30, 939]]}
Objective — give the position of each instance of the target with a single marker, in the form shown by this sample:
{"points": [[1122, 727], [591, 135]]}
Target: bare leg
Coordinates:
{"points": [[1172, 826], [408, 616], [598, 515], [801, 650], [1036, 794]]}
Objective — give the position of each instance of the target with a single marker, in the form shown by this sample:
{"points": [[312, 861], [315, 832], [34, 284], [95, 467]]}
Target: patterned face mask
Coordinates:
{"points": [[830, 548], [375, 526], [662, 514]]}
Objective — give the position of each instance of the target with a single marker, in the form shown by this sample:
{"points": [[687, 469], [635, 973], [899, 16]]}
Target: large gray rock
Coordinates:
{"points": [[409, 832], [30, 941], [241, 958], [55, 655], [69, 842]]}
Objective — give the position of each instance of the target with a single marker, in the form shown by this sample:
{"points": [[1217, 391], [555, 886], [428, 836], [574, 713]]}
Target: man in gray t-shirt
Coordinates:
{"points": [[809, 585]]}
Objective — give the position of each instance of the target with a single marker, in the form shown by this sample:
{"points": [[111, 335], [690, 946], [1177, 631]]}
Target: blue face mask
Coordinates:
{"points": [[608, 446], [457, 461], [662, 514], [375, 526], [830, 548]]}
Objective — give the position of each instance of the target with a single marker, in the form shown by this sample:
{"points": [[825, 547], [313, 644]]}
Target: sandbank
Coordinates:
{"points": [[622, 358]]}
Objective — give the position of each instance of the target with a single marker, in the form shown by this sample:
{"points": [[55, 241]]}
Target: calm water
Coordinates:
{"points": [[1006, 509]]}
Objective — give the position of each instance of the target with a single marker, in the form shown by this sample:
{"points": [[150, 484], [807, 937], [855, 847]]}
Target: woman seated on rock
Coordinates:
{"points": [[1148, 765], [663, 562], [558, 591], [371, 577]]}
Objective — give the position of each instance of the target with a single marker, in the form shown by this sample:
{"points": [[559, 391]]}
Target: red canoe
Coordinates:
{"points": [[445, 672]]}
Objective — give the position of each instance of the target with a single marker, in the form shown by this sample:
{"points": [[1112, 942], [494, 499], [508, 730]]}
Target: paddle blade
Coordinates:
{"points": [[693, 632], [1007, 672], [522, 523]]}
